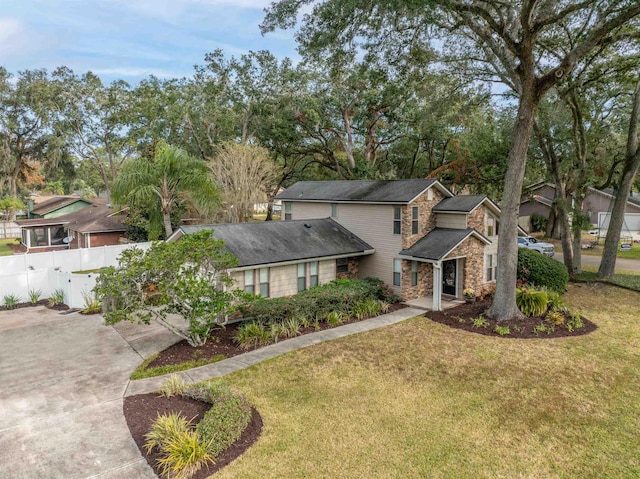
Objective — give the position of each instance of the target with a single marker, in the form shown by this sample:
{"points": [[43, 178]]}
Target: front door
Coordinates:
{"points": [[449, 277]]}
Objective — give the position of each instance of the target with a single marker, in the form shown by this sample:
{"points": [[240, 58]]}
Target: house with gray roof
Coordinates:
{"points": [[415, 235]]}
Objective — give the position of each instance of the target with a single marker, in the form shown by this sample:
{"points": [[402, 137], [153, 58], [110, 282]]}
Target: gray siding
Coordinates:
{"points": [[450, 220], [372, 223]]}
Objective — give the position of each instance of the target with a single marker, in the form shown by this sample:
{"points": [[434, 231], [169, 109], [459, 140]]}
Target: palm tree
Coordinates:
{"points": [[161, 183]]}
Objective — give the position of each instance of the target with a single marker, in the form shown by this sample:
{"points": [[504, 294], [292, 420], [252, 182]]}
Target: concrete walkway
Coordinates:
{"points": [[243, 361]]}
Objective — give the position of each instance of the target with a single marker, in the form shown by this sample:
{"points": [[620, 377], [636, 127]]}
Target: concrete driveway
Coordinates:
{"points": [[62, 380]]}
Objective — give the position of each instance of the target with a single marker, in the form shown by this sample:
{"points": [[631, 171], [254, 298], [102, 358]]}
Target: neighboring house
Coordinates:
{"points": [[280, 259], [597, 204], [56, 206], [92, 226], [427, 241]]}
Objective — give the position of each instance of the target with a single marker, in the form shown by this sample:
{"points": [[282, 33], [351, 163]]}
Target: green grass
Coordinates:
{"points": [[144, 371], [625, 278], [419, 399], [4, 246]]}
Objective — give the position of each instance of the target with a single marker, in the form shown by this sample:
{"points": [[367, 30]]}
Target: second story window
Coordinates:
{"points": [[334, 210], [287, 210], [414, 220], [397, 220], [491, 228]]}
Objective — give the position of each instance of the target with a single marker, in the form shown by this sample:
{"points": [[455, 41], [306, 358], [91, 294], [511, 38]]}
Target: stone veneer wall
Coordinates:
{"points": [[352, 272], [426, 217], [425, 280], [472, 249], [477, 219]]}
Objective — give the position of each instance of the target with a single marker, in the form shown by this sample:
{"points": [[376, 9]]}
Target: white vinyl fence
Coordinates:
{"points": [[54, 270]]}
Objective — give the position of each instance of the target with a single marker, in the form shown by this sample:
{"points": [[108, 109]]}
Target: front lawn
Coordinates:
{"points": [[420, 399], [626, 279]]}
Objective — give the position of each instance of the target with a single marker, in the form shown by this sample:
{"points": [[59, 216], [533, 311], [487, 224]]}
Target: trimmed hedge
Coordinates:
{"points": [[539, 270], [316, 303]]}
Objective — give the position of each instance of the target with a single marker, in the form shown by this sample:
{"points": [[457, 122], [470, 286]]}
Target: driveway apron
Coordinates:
{"points": [[62, 380]]}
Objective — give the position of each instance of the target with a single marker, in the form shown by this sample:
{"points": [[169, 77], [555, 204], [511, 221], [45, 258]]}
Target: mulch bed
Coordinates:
{"points": [[141, 410], [222, 342], [42, 302], [520, 328]]}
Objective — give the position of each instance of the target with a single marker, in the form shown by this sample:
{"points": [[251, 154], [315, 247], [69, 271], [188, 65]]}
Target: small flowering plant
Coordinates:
{"points": [[469, 293]]}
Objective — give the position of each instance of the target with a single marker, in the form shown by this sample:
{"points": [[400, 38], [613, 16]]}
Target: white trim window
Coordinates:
{"points": [[397, 272], [490, 225], [397, 220], [414, 220], [491, 267], [287, 210], [414, 273], [334, 210], [313, 274], [302, 277], [264, 282], [250, 281]]}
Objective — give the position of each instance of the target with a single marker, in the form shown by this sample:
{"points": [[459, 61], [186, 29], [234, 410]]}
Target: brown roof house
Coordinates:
{"points": [[89, 227], [51, 207], [415, 235]]}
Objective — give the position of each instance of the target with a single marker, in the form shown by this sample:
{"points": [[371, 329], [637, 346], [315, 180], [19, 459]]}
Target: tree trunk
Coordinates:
{"points": [[166, 220], [504, 302], [631, 165]]}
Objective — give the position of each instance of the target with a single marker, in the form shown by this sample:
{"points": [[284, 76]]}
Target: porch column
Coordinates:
{"points": [[437, 286]]}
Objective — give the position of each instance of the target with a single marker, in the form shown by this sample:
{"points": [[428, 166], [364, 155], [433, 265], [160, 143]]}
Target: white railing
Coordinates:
{"points": [[54, 270]]}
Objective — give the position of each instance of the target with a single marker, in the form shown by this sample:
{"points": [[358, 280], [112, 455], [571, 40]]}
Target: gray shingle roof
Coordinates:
{"points": [[460, 203], [365, 191], [436, 244], [270, 242], [612, 192]]}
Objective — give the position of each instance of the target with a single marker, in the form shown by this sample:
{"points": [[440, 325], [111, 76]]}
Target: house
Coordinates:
{"points": [[52, 207], [597, 204], [93, 225], [280, 259], [415, 235]]}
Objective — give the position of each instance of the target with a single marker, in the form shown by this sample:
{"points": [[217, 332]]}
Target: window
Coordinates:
{"points": [[491, 228], [249, 281], [492, 267], [429, 194], [414, 273], [313, 274], [302, 277], [397, 268], [397, 220], [414, 220], [334, 210], [342, 265], [264, 282], [287, 210]]}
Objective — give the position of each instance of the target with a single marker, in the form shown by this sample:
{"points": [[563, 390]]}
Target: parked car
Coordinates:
{"points": [[530, 242]]}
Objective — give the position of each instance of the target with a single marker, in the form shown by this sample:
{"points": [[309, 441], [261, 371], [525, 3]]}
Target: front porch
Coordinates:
{"points": [[426, 303]]}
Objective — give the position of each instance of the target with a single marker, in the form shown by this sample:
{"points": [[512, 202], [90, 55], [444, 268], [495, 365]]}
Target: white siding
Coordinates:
{"points": [[450, 220], [283, 281], [371, 223], [305, 211], [327, 271]]}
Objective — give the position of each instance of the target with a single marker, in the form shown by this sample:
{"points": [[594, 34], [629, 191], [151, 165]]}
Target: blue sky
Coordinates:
{"points": [[131, 39]]}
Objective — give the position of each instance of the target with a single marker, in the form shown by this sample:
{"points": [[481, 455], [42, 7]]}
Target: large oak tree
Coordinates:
{"points": [[524, 44]]}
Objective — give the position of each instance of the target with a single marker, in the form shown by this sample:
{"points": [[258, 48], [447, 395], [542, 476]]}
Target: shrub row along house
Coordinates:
{"points": [[415, 235]]}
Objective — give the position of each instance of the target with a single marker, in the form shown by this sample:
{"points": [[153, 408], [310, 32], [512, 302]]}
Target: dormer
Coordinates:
{"points": [[468, 211]]}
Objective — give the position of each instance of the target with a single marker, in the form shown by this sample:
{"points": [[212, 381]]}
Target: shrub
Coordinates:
{"points": [[502, 330], [531, 302], [574, 322], [252, 334], [11, 300], [335, 318], [92, 304], [34, 295], [554, 317], [56, 298], [555, 301], [173, 386], [540, 270], [480, 322], [229, 415], [364, 309], [538, 222], [182, 452]]}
